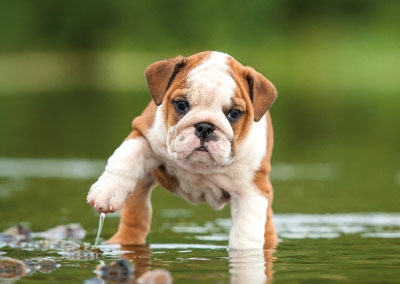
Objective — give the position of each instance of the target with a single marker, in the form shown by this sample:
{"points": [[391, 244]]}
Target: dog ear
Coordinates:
{"points": [[160, 75], [262, 92]]}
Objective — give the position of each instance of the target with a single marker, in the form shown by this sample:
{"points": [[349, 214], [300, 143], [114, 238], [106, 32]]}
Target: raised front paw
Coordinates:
{"points": [[107, 195]]}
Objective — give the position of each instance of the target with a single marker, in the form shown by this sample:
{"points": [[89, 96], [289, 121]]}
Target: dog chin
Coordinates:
{"points": [[201, 158]]}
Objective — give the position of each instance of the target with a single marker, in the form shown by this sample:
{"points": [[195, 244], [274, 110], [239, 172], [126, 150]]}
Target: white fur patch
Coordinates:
{"points": [[210, 89], [210, 83], [248, 220], [254, 148], [130, 161]]}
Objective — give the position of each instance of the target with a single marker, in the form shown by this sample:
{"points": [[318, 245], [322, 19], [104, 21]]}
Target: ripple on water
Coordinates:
{"points": [[305, 226]]}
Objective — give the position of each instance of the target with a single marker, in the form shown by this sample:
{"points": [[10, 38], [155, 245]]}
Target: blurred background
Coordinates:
{"points": [[71, 81]]}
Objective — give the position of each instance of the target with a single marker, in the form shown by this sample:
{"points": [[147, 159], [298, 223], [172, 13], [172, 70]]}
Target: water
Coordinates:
{"points": [[336, 195], [348, 248], [102, 216], [191, 242]]}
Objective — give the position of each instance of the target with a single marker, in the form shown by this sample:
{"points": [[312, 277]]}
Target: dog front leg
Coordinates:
{"points": [[128, 164], [248, 221], [135, 220]]}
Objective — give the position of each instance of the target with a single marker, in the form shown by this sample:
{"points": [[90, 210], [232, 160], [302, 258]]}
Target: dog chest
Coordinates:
{"points": [[195, 188]]}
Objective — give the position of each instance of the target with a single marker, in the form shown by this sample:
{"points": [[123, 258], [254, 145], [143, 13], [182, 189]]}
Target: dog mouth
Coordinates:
{"points": [[201, 148]]}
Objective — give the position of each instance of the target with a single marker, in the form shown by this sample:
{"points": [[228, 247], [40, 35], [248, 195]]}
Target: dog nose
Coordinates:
{"points": [[204, 130]]}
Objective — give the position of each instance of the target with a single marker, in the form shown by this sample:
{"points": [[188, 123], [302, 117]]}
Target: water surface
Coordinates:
{"points": [[337, 192], [191, 242]]}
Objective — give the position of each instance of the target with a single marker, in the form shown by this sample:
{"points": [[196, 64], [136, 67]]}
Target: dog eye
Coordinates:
{"points": [[234, 114], [181, 106]]}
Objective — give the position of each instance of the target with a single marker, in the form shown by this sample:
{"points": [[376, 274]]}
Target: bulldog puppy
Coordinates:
{"points": [[207, 137]]}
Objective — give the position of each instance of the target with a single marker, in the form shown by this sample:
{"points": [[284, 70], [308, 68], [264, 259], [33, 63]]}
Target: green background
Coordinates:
{"points": [[71, 81]]}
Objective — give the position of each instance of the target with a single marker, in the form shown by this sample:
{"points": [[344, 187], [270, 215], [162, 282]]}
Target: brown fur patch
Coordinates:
{"points": [[242, 126], [167, 181], [142, 123], [262, 181], [178, 87], [136, 215]]}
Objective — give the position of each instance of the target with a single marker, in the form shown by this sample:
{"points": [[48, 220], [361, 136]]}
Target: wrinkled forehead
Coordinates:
{"points": [[210, 81]]}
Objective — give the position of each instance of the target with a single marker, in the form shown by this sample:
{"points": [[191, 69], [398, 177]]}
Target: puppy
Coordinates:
{"points": [[207, 137]]}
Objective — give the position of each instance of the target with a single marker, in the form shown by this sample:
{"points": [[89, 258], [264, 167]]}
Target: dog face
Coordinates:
{"points": [[209, 102]]}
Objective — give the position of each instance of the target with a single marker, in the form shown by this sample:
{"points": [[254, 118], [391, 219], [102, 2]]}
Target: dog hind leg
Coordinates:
{"points": [[136, 215], [271, 239]]}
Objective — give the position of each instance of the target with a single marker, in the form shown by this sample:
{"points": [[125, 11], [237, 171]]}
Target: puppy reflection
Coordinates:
{"points": [[133, 267], [245, 266], [251, 266]]}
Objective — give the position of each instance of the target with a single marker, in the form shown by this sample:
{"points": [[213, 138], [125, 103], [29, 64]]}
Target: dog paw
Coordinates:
{"points": [[107, 195]]}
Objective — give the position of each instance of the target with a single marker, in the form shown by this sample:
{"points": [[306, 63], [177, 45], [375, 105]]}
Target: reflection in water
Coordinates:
{"points": [[250, 266], [119, 271], [133, 267], [140, 255], [366, 239], [245, 266], [202, 261], [253, 266]]}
